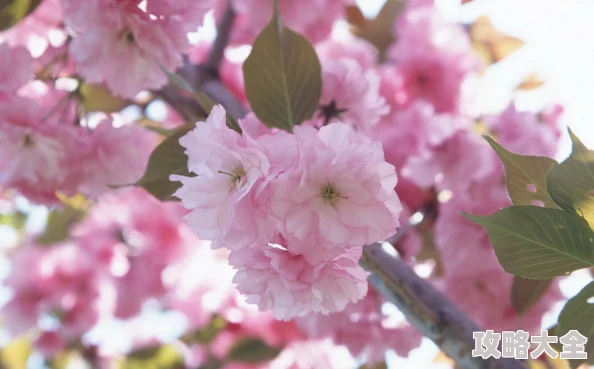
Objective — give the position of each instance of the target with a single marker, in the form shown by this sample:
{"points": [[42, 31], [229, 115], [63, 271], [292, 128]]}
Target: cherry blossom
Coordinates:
{"points": [[254, 15], [276, 280], [351, 95], [11, 79], [123, 46], [433, 57], [227, 168], [338, 178]]}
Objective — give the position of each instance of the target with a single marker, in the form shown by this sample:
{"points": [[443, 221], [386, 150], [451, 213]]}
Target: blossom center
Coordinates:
{"points": [[27, 141], [331, 111], [330, 195], [127, 36], [236, 176]]}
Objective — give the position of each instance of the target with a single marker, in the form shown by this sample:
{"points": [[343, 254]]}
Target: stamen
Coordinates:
{"points": [[330, 195], [237, 175]]}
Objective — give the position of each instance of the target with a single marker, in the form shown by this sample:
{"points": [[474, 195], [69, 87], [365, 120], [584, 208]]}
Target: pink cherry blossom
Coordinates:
{"points": [[480, 297], [124, 46], [312, 354], [351, 95], [286, 284], [11, 78], [526, 132], [35, 30], [59, 282], [34, 156], [363, 329], [133, 237], [433, 57], [341, 189], [49, 343], [227, 168], [414, 137], [254, 15], [116, 156], [355, 48], [191, 12], [200, 285]]}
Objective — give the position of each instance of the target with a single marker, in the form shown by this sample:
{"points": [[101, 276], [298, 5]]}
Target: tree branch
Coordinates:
{"points": [[205, 78], [429, 311], [217, 52]]}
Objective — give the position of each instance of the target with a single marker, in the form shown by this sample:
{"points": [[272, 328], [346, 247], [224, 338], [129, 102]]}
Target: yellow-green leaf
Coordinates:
{"points": [[15, 354], [283, 77], [379, 31], [99, 98], [526, 292], [15, 220], [166, 159], [253, 351], [571, 183], [525, 176], [539, 243], [578, 314], [206, 334], [12, 11], [60, 221], [157, 357]]}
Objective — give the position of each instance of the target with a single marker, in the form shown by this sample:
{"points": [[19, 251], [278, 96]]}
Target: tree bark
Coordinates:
{"points": [[428, 310]]}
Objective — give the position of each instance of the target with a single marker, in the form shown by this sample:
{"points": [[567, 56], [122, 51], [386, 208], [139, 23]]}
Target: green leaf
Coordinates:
{"points": [[15, 355], [526, 292], [282, 76], [168, 158], [156, 127], [99, 98], [380, 31], [571, 183], [12, 11], [205, 101], [206, 334], [15, 220], [578, 314], [539, 243], [525, 176], [60, 221], [253, 351], [156, 357]]}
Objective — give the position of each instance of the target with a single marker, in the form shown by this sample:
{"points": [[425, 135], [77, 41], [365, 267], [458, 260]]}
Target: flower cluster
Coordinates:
{"points": [[113, 262], [125, 43], [294, 210], [254, 15], [39, 156]]}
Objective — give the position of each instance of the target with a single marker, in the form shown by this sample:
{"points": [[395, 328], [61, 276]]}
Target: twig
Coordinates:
{"points": [[217, 51], [432, 313], [205, 78]]}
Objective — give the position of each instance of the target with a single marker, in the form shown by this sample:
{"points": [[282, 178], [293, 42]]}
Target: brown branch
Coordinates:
{"points": [[428, 310], [217, 51], [205, 78]]}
